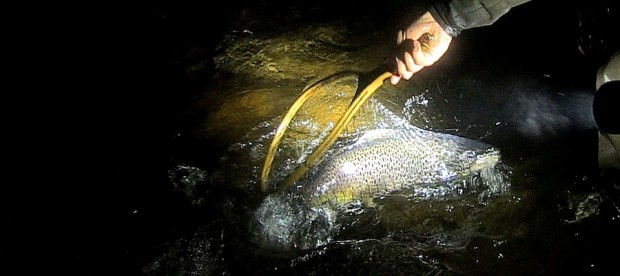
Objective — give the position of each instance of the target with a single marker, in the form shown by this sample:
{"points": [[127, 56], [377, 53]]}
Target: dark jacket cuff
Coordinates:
{"points": [[455, 16], [440, 12]]}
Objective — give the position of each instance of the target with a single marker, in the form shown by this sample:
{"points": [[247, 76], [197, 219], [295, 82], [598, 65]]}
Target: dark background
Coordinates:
{"points": [[102, 204]]}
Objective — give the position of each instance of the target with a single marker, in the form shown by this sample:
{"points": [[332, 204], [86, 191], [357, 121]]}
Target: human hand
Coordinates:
{"points": [[420, 45]]}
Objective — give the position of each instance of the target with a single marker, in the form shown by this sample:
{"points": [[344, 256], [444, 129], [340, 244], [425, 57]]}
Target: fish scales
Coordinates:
{"points": [[389, 160]]}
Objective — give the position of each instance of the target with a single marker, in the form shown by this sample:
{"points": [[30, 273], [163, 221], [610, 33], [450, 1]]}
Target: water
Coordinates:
{"points": [[183, 206]]}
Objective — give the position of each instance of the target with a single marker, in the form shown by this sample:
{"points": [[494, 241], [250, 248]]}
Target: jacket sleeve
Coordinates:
{"points": [[457, 15]]}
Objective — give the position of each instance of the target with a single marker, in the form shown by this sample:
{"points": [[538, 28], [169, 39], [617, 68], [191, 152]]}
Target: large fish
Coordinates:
{"points": [[381, 162], [388, 160]]}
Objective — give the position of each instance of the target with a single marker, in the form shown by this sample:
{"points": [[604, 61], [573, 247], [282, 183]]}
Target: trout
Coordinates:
{"points": [[385, 161], [390, 159]]}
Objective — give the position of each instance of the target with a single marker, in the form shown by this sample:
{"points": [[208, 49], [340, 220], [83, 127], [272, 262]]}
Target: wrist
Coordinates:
{"points": [[436, 12]]}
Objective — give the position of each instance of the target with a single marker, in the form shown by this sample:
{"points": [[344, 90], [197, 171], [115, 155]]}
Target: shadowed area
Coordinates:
{"points": [[180, 146]]}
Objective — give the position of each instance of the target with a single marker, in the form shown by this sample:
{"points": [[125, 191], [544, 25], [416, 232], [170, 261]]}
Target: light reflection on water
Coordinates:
{"points": [[557, 217], [464, 234], [301, 219]]}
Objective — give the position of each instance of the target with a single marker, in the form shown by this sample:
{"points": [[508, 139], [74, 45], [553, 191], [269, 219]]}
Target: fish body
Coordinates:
{"points": [[393, 157], [387, 160]]}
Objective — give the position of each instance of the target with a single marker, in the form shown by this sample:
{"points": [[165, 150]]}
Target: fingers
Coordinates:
{"points": [[407, 68], [419, 46], [410, 61], [414, 57], [403, 71], [421, 57], [395, 78]]}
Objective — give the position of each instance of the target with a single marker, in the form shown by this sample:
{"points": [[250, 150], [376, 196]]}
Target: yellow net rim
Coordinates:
{"points": [[348, 115]]}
